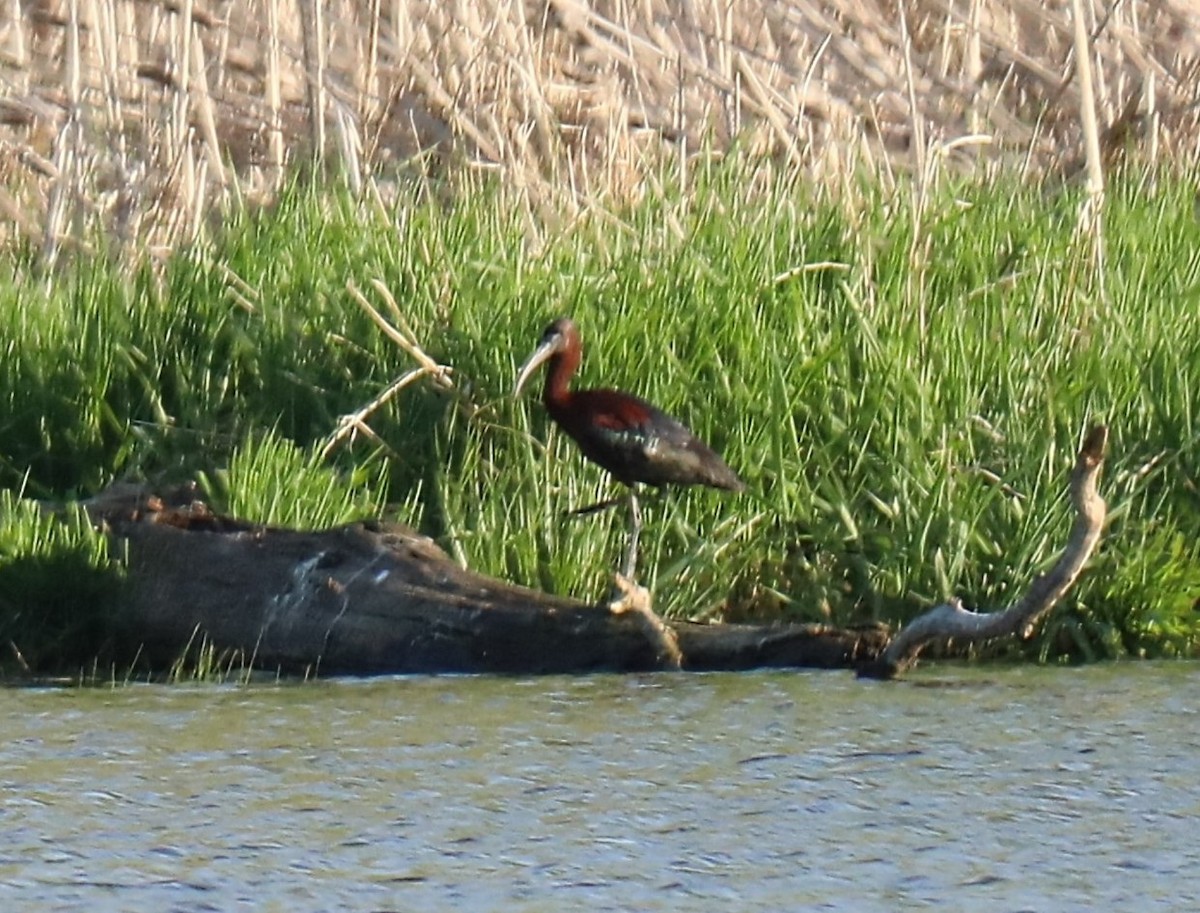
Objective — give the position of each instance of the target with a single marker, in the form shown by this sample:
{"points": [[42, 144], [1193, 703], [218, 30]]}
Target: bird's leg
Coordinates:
{"points": [[635, 531], [594, 508], [629, 597]]}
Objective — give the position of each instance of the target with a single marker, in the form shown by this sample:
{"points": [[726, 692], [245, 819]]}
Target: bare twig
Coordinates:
{"points": [[405, 340], [356, 422]]}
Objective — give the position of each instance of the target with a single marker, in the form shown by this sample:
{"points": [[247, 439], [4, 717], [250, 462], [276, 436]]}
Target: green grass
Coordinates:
{"points": [[905, 417], [60, 589], [270, 480]]}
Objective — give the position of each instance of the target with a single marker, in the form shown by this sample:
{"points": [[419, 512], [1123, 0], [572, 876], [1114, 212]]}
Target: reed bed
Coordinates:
{"points": [[139, 121]]}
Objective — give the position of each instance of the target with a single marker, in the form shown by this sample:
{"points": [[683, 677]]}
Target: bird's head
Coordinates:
{"points": [[559, 338]]}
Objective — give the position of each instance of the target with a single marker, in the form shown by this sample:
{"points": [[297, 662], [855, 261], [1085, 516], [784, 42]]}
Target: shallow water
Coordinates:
{"points": [[1017, 789]]}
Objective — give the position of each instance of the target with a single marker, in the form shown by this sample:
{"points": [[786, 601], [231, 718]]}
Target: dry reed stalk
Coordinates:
{"points": [[401, 31], [180, 69], [1147, 89], [529, 72], [196, 204], [312, 22], [176, 146], [1101, 94], [127, 191], [104, 52], [221, 64], [206, 114], [274, 96], [67, 146], [18, 55], [126, 52], [973, 67], [368, 90], [350, 147], [574, 103], [1149, 93], [916, 121], [1091, 217], [444, 104], [760, 100], [63, 165]]}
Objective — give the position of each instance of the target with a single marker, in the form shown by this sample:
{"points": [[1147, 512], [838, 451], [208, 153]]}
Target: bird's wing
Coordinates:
{"points": [[625, 414], [638, 442]]}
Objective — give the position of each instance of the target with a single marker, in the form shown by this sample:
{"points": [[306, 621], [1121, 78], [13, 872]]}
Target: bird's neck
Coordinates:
{"points": [[556, 394]]}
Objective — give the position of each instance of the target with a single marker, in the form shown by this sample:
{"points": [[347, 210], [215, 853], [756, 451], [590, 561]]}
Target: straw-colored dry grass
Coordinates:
{"points": [[114, 116]]}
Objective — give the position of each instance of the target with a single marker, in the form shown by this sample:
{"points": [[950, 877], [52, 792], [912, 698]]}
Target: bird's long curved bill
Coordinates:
{"points": [[540, 355]]}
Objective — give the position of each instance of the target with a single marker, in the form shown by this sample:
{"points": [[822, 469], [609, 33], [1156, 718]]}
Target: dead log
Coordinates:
{"points": [[952, 622], [373, 598]]}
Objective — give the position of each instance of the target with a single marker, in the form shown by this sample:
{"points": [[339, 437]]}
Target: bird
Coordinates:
{"points": [[636, 442]]}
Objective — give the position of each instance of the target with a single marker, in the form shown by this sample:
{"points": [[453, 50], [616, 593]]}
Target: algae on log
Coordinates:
{"points": [[371, 598]]}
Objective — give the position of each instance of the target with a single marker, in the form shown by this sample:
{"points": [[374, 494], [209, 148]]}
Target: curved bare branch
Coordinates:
{"points": [[952, 621]]}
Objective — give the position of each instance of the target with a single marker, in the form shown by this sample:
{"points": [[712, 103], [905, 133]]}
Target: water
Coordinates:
{"points": [[1010, 790]]}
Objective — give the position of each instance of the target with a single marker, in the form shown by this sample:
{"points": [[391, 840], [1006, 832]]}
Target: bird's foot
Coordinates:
{"points": [[627, 596]]}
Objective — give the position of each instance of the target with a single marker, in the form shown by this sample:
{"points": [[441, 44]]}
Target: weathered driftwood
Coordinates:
{"points": [[373, 598], [370, 598], [951, 621]]}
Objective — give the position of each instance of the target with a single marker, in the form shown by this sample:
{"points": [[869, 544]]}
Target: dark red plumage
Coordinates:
{"points": [[632, 439]]}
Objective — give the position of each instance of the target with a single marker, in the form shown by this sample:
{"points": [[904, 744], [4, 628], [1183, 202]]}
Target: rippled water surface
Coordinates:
{"points": [[1024, 789]]}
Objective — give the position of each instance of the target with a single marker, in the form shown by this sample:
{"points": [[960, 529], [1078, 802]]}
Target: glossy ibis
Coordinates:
{"points": [[633, 440]]}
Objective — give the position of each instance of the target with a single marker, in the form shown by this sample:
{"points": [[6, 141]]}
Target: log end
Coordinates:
{"points": [[880, 669], [1094, 445]]}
